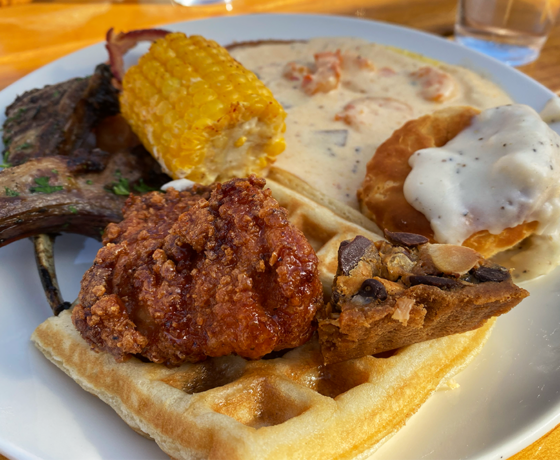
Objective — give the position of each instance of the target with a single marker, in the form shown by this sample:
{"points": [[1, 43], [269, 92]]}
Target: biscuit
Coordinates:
{"points": [[382, 197]]}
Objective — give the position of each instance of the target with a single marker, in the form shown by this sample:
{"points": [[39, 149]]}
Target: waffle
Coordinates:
{"points": [[289, 406]]}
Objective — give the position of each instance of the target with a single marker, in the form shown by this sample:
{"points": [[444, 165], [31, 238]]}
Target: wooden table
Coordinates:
{"points": [[35, 33]]}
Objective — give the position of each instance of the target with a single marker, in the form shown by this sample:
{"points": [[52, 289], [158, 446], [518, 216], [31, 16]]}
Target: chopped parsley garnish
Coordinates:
{"points": [[73, 210], [7, 141], [44, 187], [17, 116], [10, 192], [54, 171], [89, 182], [5, 165], [141, 187], [56, 93], [25, 145], [121, 187]]}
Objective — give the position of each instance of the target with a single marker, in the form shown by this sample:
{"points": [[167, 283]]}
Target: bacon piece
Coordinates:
{"points": [[118, 44]]}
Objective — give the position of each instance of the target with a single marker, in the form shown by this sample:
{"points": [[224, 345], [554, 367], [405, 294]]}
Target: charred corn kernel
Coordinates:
{"points": [[200, 113]]}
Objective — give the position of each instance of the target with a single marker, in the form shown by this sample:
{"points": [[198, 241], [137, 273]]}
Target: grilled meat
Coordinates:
{"points": [[73, 160], [63, 194], [57, 119]]}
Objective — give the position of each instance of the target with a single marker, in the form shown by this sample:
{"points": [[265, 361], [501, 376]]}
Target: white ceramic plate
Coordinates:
{"points": [[509, 396]]}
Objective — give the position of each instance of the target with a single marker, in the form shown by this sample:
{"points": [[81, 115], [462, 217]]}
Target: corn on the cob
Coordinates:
{"points": [[200, 113]]}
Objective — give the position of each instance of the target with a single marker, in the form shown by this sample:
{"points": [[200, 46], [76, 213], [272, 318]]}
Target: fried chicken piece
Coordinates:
{"points": [[207, 272]]}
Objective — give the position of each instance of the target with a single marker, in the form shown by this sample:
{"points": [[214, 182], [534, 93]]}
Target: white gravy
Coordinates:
{"points": [[551, 111], [330, 154], [501, 171]]}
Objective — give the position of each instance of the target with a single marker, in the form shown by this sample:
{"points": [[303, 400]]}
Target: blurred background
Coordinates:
{"points": [[33, 33]]}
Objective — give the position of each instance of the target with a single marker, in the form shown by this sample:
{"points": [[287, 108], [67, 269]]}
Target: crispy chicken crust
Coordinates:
{"points": [[207, 272]]}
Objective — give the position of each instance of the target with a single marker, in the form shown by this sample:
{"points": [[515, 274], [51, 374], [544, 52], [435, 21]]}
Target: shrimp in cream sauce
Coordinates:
{"points": [[355, 93]]}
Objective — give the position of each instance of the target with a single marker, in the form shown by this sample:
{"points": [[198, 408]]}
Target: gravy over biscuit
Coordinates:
{"points": [[501, 171]]}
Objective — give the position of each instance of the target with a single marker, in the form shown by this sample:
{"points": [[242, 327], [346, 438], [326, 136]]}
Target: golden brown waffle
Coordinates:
{"points": [[288, 407], [324, 228]]}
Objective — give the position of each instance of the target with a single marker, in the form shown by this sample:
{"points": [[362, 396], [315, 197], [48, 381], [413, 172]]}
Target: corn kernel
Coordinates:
{"points": [[263, 162], [204, 95], [240, 142], [202, 123], [215, 75], [213, 109], [198, 86], [162, 108], [222, 86], [191, 115], [231, 96], [179, 127], [170, 85], [170, 118], [275, 147], [192, 140], [166, 138], [237, 78]]}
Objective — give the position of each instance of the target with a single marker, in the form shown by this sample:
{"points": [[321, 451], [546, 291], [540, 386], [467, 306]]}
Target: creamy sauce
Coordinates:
{"points": [[501, 171], [551, 111], [178, 184], [330, 136]]}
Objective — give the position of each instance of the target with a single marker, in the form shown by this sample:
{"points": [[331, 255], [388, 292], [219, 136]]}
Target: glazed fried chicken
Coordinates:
{"points": [[204, 272]]}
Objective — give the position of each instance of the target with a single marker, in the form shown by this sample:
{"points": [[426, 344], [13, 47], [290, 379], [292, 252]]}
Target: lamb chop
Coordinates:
{"points": [[72, 160], [70, 163]]}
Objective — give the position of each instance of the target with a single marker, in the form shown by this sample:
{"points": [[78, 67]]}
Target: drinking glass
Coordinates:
{"points": [[512, 31]]}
